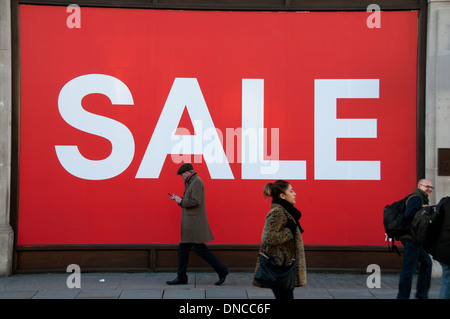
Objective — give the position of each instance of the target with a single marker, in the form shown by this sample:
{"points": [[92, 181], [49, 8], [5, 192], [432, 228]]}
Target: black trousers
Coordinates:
{"points": [[203, 252]]}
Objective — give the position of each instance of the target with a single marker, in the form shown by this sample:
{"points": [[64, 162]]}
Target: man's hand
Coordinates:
{"points": [[176, 198]]}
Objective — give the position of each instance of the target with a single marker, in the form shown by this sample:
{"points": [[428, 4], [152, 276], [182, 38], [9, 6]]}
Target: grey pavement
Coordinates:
{"points": [[149, 285]]}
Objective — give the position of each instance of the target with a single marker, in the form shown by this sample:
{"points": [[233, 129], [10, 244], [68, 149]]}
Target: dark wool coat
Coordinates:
{"points": [[194, 221], [277, 237]]}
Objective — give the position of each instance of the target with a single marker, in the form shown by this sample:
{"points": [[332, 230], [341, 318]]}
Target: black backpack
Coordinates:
{"points": [[422, 226], [435, 227], [394, 221]]}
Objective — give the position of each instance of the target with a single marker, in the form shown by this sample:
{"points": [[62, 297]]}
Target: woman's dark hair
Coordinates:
{"points": [[275, 189]]}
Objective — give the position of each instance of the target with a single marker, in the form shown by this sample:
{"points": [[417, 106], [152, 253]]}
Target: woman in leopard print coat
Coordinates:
{"points": [[282, 222]]}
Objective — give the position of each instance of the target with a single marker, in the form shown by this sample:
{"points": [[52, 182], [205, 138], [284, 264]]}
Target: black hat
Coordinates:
{"points": [[184, 168]]}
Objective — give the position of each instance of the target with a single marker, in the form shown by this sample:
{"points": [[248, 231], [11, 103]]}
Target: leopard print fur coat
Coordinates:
{"points": [[276, 238]]}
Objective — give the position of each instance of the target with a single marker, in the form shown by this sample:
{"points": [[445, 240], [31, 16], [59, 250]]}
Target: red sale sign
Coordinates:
{"points": [[111, 106]]}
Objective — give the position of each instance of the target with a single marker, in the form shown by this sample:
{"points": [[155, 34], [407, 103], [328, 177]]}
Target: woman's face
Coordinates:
{"points": [[289, 195]]}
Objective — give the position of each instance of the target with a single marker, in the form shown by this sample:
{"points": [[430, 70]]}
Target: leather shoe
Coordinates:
{"points": [[221, 279], [177, 281]]}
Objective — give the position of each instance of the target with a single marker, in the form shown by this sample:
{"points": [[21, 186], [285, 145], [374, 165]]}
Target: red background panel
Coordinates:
{"points": [[147, 50]]}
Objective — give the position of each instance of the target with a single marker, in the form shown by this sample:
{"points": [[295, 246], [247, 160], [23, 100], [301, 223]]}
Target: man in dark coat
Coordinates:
{"points": [[195, 231]]}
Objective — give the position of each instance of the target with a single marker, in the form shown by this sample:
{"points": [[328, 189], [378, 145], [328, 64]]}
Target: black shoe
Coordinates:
{"points": [[177, 281], [221, 279]]}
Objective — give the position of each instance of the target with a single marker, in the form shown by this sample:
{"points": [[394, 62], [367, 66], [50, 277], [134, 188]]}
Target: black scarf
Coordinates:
{"points": [[187, 181], [294, 212]]}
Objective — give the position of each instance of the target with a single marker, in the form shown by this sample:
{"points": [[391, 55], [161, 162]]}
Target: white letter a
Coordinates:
{"points": [[185, 92]]}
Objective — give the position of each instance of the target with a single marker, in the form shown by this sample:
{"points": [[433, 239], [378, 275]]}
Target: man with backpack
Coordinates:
{"points": [[413, 252]]}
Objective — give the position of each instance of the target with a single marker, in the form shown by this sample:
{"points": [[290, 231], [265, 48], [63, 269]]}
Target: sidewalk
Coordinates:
{"points": [[201, 286]]}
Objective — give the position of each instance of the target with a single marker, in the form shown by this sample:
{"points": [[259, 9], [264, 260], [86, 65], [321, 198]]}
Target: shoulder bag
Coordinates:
{"points": [[275, 276]]}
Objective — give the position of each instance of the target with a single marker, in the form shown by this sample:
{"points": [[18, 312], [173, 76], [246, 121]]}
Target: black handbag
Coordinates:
{"points": [[275, 276]]}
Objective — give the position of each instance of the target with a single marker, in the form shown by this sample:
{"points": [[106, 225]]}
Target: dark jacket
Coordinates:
{"points": [[441, 251], [414, 203]]}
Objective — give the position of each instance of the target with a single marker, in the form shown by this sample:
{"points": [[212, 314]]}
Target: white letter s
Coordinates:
{"points": [[71, 110]]}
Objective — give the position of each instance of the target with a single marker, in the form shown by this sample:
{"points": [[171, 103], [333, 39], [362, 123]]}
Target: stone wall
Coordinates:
{"points": [[437, 130], [6, 232]]}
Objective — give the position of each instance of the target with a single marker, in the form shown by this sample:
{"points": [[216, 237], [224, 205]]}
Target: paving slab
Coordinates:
{"points": [[384, 293], [312, 293], [57, 294], [350, 294], [99, 294], [184, 294], [146, 285], [17, 294], [259, 293], [226, 293], [142, 294]]}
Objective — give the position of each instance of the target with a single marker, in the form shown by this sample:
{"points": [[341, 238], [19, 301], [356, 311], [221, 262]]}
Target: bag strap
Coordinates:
{"points": [[394, 247], [293, 240]]}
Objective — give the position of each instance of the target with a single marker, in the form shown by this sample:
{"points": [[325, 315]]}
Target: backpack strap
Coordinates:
{"points": [[394, 248]]}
